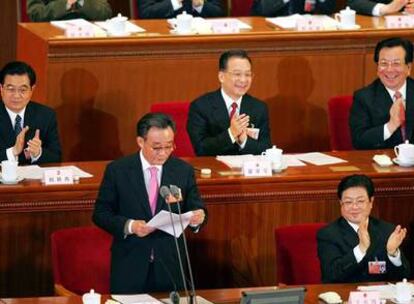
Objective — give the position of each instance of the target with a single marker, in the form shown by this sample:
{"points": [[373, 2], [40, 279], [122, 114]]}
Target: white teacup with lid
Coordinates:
{"points": [[403, 292], [184, 23], [9, 170], [405, 153], [346, 18], [117, 25], [91, 297], [275, 156]]}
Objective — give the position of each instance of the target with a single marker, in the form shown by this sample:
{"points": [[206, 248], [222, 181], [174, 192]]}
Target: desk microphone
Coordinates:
{"points": [[176, 192], [165, 192]]}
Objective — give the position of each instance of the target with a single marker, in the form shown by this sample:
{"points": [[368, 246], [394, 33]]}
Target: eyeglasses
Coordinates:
{"points": [[166, 149], [396, 64], [348, 203], [239, 75], [22, 91]]}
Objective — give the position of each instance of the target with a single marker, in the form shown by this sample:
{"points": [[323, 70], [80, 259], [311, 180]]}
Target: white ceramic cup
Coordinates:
{"points": [[117, 25], [274, 155], [346, 18], [184, 23], [405, 153], [403, 292], [91, 297], [9, 170]]}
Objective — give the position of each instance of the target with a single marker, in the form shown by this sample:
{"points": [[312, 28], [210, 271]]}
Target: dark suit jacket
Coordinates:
{"points": [[274, 8], [335, 249], [208, 122], [36, 116], [123, 196], [158, 9], [370, 111], [365, 7], [48, 10]]}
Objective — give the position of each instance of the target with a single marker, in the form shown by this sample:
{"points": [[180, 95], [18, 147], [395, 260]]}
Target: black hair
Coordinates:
{"points": [[394, 42], [225, 57], [156, 120], [356, 180], [18, 68]]}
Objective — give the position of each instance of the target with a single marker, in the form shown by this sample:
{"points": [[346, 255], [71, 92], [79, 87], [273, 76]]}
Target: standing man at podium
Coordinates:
{"points": [[158, 9], [29, 132], [144, 259], [48, 10]]}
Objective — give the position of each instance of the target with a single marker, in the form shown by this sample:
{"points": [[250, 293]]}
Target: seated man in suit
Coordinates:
{"points": [[48, 10], [144, 259], [158, 9], [381, 7], [219, 122], [357, 247], [275, 8], [29, 130], [382, 114]]}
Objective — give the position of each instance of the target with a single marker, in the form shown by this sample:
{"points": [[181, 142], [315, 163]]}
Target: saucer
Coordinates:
{"points": [[19, 179], [393, 300], [349, 28], [396, 161]]}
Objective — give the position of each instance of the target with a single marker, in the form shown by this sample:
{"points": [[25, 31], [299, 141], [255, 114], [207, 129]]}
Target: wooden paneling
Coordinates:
{"points": [[235, 248], [100, 87], [8, 24]]}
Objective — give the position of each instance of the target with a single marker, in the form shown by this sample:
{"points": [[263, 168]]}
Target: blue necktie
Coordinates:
{"points": [[17, 125]]}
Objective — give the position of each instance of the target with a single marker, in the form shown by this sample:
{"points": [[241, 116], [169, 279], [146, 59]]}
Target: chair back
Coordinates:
{"points": [[241, 7], [338, 119], [133, 8], [297, 259], [22, 11], [179, 113], [81, 259]]}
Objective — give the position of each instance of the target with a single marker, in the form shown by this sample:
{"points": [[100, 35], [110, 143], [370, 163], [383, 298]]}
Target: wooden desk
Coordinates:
{"points": [[235, 249], [217, 296], [100, 87]]}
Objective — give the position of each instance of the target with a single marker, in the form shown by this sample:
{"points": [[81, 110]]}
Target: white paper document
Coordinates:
{"points": [[236, 161], [292, 161], [130, 27], [36, 172], [241, 25], [319, 159], [162, 221], [289, 22], [387, 291], [63, 24], [135, 299]]}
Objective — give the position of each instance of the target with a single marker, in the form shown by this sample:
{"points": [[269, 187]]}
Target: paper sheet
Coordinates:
{"points": [[319, 159], [292, 161], [36, 172], [162, 221], [242, 25], [63, 24], [135, 299], [129, 28], [289, 22]]}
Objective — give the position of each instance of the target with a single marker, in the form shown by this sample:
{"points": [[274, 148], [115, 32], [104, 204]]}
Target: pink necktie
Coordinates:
{"points": [[153, 189], [398, 95], [233, 110]]}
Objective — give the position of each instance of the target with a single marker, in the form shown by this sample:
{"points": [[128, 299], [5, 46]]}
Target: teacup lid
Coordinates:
{"points": [[406, 143], [184, 15], [347, 10], [119, 17], [91, 293]]}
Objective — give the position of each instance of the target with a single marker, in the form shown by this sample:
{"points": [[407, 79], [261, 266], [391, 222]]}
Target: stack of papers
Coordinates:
{"points": [[35, 172], [289, 22], [162, 221], [319, 159], [136, 298], [130, 28]]}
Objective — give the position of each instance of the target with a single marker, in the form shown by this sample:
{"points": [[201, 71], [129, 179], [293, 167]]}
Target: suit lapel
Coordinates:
{"points": [[220, 113], [136, 177], [350, 235], [6, 126], [409, 111]]}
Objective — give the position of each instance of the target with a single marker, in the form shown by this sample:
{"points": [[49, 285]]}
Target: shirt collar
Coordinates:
{"points": [[402, 90], [229, 101], [146, 164], [13, 115], [354, 226]]}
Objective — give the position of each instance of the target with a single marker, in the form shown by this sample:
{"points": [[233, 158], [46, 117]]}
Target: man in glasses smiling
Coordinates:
{"points": [[29, 131], [357, 247], [382, 114]]}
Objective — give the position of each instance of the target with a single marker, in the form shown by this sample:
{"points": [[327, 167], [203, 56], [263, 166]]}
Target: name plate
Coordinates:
{"points": [[58, 177], [309, 24], [223, 26], [257, 168], [364, 297], [79, 31], [403, 21]]}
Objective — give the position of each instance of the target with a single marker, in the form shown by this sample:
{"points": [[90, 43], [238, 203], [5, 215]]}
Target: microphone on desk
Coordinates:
{"points": [[176, 192], [165, 192]]}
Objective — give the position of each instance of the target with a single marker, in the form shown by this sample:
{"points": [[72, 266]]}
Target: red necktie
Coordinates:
{"points": [[397, 96], [153, 189], [233, 110]]}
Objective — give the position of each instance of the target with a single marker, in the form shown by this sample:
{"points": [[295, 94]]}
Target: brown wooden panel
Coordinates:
{"points": [[8, 22]]}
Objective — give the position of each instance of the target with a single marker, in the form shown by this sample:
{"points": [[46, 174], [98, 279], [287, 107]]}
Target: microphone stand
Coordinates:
{"points": [[164, 191], [176, 192]]}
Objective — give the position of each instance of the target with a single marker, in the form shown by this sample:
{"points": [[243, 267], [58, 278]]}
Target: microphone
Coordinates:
{"points": [[176, 192], [165, 192], [174, 295]]}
